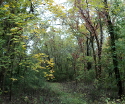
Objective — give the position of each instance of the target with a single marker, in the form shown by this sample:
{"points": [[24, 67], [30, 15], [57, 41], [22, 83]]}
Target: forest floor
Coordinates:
{"points": [[72, 93], [81, 93], [67, 95], [62, 93]]}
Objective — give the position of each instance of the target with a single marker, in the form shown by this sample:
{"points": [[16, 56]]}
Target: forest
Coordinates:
{"points": [[62, 51]]}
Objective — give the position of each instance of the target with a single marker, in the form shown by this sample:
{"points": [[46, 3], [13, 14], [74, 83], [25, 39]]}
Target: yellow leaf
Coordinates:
{"points": [[50, 75], [6, 6], [23, 45], [51, 71], [21, 76], [13, 79]]}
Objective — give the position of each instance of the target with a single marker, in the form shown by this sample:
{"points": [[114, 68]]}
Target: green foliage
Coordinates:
{"points": [[86, 76], [17, 67]]}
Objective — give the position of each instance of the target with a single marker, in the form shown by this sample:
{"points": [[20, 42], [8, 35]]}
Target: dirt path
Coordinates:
{"points": [[66, 96]]}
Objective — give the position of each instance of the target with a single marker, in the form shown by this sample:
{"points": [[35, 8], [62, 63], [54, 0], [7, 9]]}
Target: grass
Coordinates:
{"points": [[32, 96], [62, 93], [66, 96], [69, 93]]}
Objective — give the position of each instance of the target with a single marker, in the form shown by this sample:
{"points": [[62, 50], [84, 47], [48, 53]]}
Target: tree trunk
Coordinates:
{"points": [[1, 1], [88, 53], [113, 49]]}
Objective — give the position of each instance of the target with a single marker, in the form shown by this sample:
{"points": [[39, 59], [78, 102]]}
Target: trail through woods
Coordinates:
{"points": [[67, 95]]}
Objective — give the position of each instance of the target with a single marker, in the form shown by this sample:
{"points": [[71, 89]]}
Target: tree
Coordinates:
{"points": [[15, 62], [113, 35]]}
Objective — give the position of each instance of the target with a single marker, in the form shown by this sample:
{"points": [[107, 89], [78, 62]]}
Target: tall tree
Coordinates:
{"points": [[113, 38]]}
